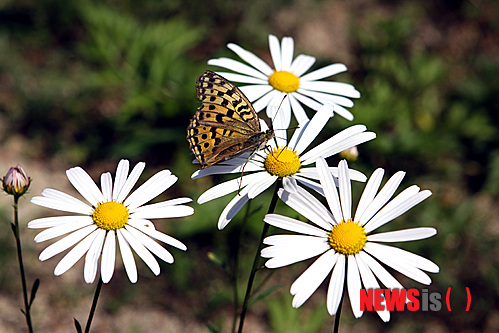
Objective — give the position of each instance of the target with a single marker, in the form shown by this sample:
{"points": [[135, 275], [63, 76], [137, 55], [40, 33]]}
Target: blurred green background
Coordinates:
{"points": [[90, 82]]}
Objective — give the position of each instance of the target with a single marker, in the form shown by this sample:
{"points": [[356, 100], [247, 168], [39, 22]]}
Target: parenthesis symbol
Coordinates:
{"points": [[468, 304], [447, 299]]}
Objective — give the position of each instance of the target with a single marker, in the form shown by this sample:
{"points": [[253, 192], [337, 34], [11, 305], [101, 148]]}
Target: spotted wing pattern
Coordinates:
{"points": [[226, 125]]}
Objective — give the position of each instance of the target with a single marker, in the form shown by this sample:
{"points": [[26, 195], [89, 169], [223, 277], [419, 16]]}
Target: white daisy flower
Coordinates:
{"points": [[267, 86], [112, 214], [283, 159], [346, 245]]}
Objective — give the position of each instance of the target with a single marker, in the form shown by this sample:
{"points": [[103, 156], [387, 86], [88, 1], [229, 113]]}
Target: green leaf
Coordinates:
{"points": [[34, 289], [212, 329], [263, 294], [78, 326]]}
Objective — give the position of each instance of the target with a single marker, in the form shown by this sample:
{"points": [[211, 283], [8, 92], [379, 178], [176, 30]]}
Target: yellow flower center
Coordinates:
{"points": [[110, 215], [347, 238], [284, 81], [282, 162]]}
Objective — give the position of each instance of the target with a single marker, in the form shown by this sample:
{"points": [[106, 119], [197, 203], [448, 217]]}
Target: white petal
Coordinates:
{"points": [[93, 255], [308, 206], [106, 183], [352, 136], [224, 169], [232, 208], [324, 72], [120, 178], [167, 203], [338, 88], [153, 187], [301, 64], [340, 110], [237, 67], [386, 255], [164, 212], [108, 257], [395, 208], [409, 257], [227, 187], [49, 222], [354, 286], [370, 282], [329, 188], [280, 123], [325, 98], [275, 52], [290, 224], [381, 273], [369, 193], [75, 254], [335, 289], [85, 185], [310, 102], [157, 235], [259, 82], [61, 201], [287, 255], [311, 172], [300, 115], [403, 235], [291, 239], [62, 229], [310, 184], [289, 184], [130, 181], [260, 185], [345, 190], [127, 255], [151, 245], [313, 127], [287, 53], [382, 197], [66, 242], [141, 251], [279, 107], [266, 100], [312, 278], [254, 92], [251, 59]]}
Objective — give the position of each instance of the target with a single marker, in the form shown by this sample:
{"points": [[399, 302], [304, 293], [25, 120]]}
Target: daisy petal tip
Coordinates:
{"points": [[189, 211]]}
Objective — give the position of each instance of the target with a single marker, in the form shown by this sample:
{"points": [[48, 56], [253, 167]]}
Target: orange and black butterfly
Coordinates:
{"points": [[226, 125]]}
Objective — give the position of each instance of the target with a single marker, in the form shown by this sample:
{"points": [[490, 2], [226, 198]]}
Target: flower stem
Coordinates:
{"points": [[338, 313], [254, 268], [94, 305], [15, 229], [235, 269]]}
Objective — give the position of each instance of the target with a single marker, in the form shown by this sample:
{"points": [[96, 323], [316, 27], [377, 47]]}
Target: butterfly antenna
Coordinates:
{"points": [[278, 108], [242, 172]]}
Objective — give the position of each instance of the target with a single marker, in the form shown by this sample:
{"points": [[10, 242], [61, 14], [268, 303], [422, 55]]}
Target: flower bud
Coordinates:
{"points": [[350, 154], [16, 182]]}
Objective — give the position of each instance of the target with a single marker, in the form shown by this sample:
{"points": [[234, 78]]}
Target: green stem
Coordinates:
{"points": [[254, 268], [94, 305], [338, 313], [235, 269], [15, 229]]}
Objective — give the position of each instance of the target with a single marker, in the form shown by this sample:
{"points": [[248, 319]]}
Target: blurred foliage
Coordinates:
{"points": [[90, 82]]}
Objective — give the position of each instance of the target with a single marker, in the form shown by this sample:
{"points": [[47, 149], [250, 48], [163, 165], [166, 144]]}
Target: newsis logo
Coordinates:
{"points": [[405, 299]]}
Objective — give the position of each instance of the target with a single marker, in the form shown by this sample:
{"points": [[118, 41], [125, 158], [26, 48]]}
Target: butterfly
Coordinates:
{"points": [[226, 125]]}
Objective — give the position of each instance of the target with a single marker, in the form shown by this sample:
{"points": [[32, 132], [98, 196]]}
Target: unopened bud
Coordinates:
{"points": [[350, 154], [16, 182]]}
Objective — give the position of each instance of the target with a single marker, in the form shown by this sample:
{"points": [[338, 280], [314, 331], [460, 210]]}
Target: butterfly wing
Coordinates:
{"points": [[226, 125]]}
